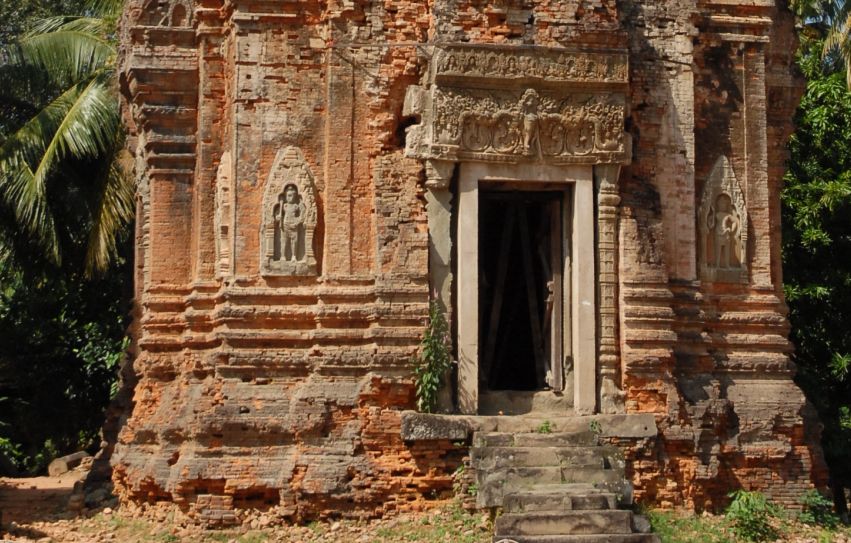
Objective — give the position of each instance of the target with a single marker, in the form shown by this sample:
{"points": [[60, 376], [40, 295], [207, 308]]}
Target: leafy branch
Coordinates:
{"points": [[434, 359]]}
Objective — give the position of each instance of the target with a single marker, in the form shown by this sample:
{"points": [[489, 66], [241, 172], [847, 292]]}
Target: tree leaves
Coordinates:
{"points": [[816, 244], [75, 122], [434, 359]]}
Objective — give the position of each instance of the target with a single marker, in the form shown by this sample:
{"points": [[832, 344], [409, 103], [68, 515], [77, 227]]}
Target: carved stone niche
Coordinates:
{"points": [[289, 217], [172, 13], [723, 226]]}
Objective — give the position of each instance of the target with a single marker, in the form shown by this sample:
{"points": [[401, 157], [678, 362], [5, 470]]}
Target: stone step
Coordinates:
{"points": [[495, 484], [503, 457], [585, 538], [545, 404], [535, 439], [565, 522], [535, 499]]}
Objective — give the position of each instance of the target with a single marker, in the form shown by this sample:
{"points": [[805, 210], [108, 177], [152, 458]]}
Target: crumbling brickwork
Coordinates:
{"points": [[283, 240]]}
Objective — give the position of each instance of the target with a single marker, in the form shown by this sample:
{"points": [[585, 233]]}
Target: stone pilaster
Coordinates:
{"points": [[608, 201]]}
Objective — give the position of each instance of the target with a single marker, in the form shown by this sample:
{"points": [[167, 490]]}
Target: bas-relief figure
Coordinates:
{"points": [[723, 224], [289, 217], [289, 225]]}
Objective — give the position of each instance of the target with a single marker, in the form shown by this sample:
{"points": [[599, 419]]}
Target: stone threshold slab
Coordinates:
{"points": [[429, 427]]}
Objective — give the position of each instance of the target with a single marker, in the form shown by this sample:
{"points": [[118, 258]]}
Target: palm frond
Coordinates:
{"points": [[112, 213], [96, 26], [81, 123], [32, 211], [69, 56], [62, 139], [107, 9]]}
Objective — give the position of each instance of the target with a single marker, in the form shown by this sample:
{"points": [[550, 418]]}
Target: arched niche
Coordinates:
{"points": [[289, 217]]}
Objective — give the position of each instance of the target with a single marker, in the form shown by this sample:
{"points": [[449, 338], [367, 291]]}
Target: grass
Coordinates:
{"points": [[454, 524], [680, 527], [447, 523], [673, 527]]}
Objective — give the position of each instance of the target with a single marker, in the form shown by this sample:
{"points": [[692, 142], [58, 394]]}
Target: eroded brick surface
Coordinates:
{"points": [[284, 389]]}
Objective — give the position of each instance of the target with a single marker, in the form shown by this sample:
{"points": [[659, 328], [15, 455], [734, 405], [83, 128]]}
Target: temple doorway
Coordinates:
{"points": [[523, 244]]}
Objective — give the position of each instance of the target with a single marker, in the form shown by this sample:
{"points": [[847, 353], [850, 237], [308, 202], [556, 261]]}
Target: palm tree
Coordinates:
{"points": [[830, 21], [63, 189]]}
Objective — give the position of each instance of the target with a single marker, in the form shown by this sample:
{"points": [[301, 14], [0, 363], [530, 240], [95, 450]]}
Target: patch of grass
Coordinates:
{"points": [[254, 537], [220, 537], [451, 524], [673, 527], [683, 527]]}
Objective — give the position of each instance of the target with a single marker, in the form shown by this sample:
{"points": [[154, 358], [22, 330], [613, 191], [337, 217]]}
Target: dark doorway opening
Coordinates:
{"points": [[520, 289]]}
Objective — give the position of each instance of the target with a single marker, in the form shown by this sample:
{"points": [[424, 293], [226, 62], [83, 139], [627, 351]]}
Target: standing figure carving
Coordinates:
{"points": [[723, 224], [722, 220], [289, 217], [289, 214], [529, 106]]}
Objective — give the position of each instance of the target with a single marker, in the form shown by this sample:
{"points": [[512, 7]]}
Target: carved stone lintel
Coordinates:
{"points": [[723, 227], [509, 104], [528, 125], [289, 217], [608, 201], [524, 65]]}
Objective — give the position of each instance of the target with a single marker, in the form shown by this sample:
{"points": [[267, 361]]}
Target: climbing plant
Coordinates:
{"points": [[434, 360]]}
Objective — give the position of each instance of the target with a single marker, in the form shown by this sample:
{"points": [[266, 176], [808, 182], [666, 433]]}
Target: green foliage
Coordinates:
{"points": [[61, 340], [595, 427], [19, 16], [434, 359], [816, 237], [750, 515], [682, 527], [672, 527], [63, 191], [545, 427], [828, 22], [818, 510]]}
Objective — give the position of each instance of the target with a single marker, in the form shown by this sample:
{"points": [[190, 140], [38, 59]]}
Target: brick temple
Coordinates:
{"points": [[588, 189]]}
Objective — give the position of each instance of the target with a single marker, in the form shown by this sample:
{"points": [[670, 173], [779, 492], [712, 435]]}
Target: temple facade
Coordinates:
{"points": [[587, 189]]}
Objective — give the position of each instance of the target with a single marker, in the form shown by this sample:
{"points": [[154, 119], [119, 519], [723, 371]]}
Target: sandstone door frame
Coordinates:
{"points": [[580, 340]]}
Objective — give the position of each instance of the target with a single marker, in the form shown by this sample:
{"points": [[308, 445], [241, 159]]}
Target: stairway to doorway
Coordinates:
{"points": [[555, 487]]}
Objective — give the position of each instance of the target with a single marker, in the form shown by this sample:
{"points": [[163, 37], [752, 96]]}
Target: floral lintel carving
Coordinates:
{"points": [[532, 124], [723, 225], [289, 217], [512, 104], [547, 65]]}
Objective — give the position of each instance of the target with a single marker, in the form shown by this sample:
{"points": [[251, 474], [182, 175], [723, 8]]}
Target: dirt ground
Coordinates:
{"points": [[35, 509]]}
